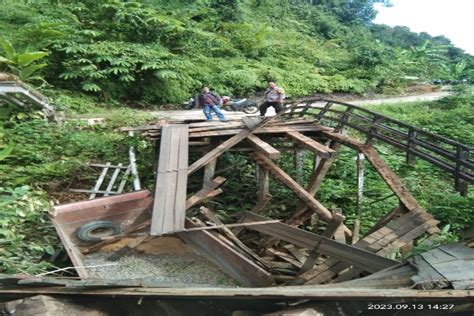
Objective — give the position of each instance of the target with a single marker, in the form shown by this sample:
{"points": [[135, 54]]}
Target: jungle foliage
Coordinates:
{"points": [[157, 51]]}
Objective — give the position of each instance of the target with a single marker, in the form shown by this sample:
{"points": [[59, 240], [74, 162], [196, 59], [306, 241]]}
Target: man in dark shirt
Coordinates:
{"points": [[210, 102], [274, 97]]}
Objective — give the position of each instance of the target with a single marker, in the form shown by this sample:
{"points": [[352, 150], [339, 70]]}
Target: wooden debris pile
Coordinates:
{"points": [[255, 249]]}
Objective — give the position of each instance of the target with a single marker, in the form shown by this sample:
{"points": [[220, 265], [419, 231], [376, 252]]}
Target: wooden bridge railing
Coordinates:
{"points": [[445, 153]]}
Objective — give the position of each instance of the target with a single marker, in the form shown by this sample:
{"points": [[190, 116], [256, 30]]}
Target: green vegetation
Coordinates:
{"points": [[103, 58], [157, 51]]}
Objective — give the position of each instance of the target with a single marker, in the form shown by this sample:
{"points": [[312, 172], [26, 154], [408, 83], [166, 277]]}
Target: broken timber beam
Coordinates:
{"points": [[385, 240], [390, 178], [295, 187], [209, 171], [231, 142], [229, 234], [233, 263], [206, 192], [264, 147], [329, 232], [301, 214], [311, 144], [351, 255]]}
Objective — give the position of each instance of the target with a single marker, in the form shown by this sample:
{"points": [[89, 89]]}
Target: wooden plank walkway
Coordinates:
{"points": [[169, 205]]}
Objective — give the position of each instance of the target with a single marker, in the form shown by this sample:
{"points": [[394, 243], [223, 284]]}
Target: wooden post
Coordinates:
{"points": [[133, 166], [298, 157], [411, 144], [263, 181], [209, 171], [462, 154], [372, 129], [360, 194], [344, 119], [316, 161]]}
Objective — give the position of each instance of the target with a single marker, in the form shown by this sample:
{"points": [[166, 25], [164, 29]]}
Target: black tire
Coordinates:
{"points": [[94, 231], [251, 108]]}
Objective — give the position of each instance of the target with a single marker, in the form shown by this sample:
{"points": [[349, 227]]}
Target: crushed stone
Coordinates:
{"points": [[189, 269]]}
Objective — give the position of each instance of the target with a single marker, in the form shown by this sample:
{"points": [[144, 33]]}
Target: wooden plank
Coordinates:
{"points": [[339, 235], [127, 248], [124, 180], [162, 183], [301, 212], [204, 193], [251, 121], [112, 180], [169, 176], [182, 180], [352, 255], [231, 142], [170, 192], [230, 261], [383, 241], [264, 130], [264, 147], [427, 277], [458, 251], [233, 131], [90, 191], [387, 218], [229, 234], [311, 144], [262, 294], [303, 275], [219, 150], [99, 181], [295, 187], [298, 254], [285, 257], [265, 294], [261, 204], [329, 232], [209, 171], [246, 224], [455, 266]]}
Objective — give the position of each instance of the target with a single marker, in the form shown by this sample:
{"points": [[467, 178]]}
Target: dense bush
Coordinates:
{"points": [[162, 51]]}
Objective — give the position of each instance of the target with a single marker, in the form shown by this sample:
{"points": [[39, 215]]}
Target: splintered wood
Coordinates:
{"points": [[169, 206], [264, 251]]}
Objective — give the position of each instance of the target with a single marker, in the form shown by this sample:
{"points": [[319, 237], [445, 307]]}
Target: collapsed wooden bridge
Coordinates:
{"points": [[259, 251], [307, 258]]}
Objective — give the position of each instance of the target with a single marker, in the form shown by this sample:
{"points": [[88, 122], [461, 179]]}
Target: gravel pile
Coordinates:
{"points": [[190, 269]]}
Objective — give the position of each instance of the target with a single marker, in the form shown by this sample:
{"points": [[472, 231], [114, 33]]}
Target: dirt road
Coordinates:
{"points": [[197, 114]]}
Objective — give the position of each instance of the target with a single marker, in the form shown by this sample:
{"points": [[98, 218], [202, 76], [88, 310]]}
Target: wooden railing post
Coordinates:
{"points": [[462, 155], [344, 119], [411, 144], [323, 111], [372, 129]]}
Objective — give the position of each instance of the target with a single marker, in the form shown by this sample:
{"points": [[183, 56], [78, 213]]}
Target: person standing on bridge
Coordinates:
{"points": [[274, 97], [210, 102]]}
